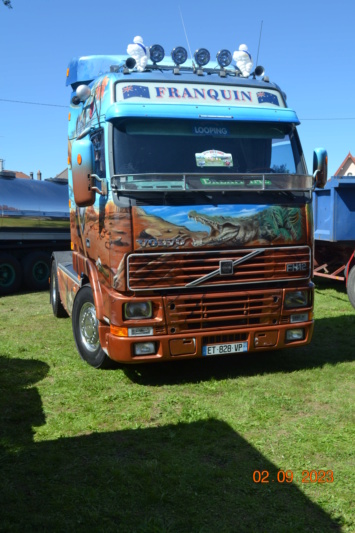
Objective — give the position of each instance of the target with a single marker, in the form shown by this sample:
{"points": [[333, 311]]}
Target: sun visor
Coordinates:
{"points": [[123, 110]]}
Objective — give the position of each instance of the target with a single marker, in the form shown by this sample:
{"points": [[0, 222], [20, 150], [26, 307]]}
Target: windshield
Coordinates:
{"points": [[189, 146]]}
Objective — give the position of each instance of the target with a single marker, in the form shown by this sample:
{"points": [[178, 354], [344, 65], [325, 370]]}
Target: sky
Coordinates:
{"points": [[306, 47]]}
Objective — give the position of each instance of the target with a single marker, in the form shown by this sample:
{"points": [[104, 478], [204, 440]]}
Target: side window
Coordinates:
{"points": [[97, 139]]}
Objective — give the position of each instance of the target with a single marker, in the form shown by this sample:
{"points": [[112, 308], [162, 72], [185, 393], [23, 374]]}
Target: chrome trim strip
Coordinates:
{"points": [[192, 182]]}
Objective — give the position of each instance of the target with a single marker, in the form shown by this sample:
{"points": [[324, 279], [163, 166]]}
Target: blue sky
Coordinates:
{"points": [[306, 48]]}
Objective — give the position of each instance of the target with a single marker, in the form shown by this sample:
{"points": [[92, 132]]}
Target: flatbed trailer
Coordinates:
{"points": [[334, 232]]}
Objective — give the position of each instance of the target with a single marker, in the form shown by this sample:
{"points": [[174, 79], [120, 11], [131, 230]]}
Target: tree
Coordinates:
{"points": [[7, 3]]}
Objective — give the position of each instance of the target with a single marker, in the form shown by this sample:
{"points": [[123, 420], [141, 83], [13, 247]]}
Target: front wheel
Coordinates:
{"points": [[350, 286], [86, 331]]}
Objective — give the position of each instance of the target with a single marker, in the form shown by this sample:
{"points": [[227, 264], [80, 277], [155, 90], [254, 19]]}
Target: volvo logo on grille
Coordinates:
{"points": [[226, 268], [296, 267]]}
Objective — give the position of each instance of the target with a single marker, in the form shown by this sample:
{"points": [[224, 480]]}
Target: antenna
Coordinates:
{"points": [[187, 40], [261, 29]]}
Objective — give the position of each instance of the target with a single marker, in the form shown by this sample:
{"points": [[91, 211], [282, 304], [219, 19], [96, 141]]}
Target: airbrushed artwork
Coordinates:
{"points": [[244, 225]]}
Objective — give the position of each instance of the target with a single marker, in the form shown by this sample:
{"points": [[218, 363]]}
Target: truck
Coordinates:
{"points": [[334, 232], [34, 221], [191, 211]]}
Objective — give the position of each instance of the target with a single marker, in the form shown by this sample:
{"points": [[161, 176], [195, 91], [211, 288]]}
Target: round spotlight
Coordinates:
{"points": [[224, 58], [179, 55], [202, 57], [157, 53]]}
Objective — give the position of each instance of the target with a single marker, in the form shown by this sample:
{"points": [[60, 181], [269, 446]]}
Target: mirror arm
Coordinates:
{"points": [[315, 179], [103, 191]]}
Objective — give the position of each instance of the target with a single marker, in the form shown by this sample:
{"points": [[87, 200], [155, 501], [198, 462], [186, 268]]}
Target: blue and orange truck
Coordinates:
{"points": [[190, 211]]}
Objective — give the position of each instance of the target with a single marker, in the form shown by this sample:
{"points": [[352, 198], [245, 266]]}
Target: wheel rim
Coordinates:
{"points": [[54, 290], [7, 275], [40, 271], [88, 327]]}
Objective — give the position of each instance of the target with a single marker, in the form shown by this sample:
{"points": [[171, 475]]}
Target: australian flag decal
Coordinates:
{"points": [[269, 98], [139, 91]]}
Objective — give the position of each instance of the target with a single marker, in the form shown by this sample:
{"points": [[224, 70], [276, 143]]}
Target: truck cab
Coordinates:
{"points": [[190, 212]]}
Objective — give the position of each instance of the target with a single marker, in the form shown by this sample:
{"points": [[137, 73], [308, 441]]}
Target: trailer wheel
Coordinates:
{"points": [[36, 271], [85, 329], [57, 306], [10, 274], [350, 286]]}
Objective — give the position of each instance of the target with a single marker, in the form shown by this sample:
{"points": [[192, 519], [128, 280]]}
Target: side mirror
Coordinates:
{"points": [[320, 167], [82, 169]]}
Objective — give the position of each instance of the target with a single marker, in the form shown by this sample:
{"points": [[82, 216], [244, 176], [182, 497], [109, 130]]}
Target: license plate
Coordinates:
{"points": [[220, 349]]}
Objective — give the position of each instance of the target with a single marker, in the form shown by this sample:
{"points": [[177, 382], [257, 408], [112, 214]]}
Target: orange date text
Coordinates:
{"points": [[287, 476]]}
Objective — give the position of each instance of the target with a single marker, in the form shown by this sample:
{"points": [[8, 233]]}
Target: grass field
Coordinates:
{"points": [[174, 447]]}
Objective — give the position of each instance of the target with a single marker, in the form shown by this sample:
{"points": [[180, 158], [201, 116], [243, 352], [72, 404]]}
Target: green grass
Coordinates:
{"points": [[173, 447]]}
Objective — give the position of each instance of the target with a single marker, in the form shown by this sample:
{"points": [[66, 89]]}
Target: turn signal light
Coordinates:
{"points": [[118, 331]]}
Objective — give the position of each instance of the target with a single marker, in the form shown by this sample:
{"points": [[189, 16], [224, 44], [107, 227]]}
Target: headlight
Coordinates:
{"points": [[134, 310], [296, 299]]}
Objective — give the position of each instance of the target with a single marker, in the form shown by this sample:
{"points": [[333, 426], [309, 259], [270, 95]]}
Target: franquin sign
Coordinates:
{"points": [[200, 94]]}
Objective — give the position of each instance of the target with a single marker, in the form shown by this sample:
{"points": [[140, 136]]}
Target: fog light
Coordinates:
{"points": [[144, 348], [295, 335], [140, 332], [301, 317]]}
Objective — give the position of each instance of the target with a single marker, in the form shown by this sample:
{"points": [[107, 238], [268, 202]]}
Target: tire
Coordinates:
{"points": [[350, 286], [10, 274], [85, 330], [57, 306], [36, 270]]}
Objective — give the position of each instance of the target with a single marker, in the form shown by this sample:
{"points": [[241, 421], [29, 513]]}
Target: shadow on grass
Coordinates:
{"points": [[323, 284], [194, 477], [333, 342]]}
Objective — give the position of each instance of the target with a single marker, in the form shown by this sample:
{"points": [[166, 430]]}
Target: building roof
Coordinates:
{"points": [[348, 157], [14, 174], [62, 175]]}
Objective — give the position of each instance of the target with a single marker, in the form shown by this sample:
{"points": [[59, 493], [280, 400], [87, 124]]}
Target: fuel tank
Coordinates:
{"points": [[33, 209]]}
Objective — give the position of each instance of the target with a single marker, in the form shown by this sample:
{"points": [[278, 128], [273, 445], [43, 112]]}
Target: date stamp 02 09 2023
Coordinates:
{"points": [[308, 476]]}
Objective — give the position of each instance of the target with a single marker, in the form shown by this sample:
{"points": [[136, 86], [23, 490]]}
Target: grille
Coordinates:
{"points": [[204, 312], [179, 270], [234, 337]]}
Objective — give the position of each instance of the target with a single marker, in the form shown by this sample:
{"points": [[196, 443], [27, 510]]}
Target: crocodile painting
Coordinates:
{"points": [[274, 224]]}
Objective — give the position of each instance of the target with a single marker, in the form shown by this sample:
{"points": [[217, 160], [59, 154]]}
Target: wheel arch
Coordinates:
{"points": [[93, 280]]}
